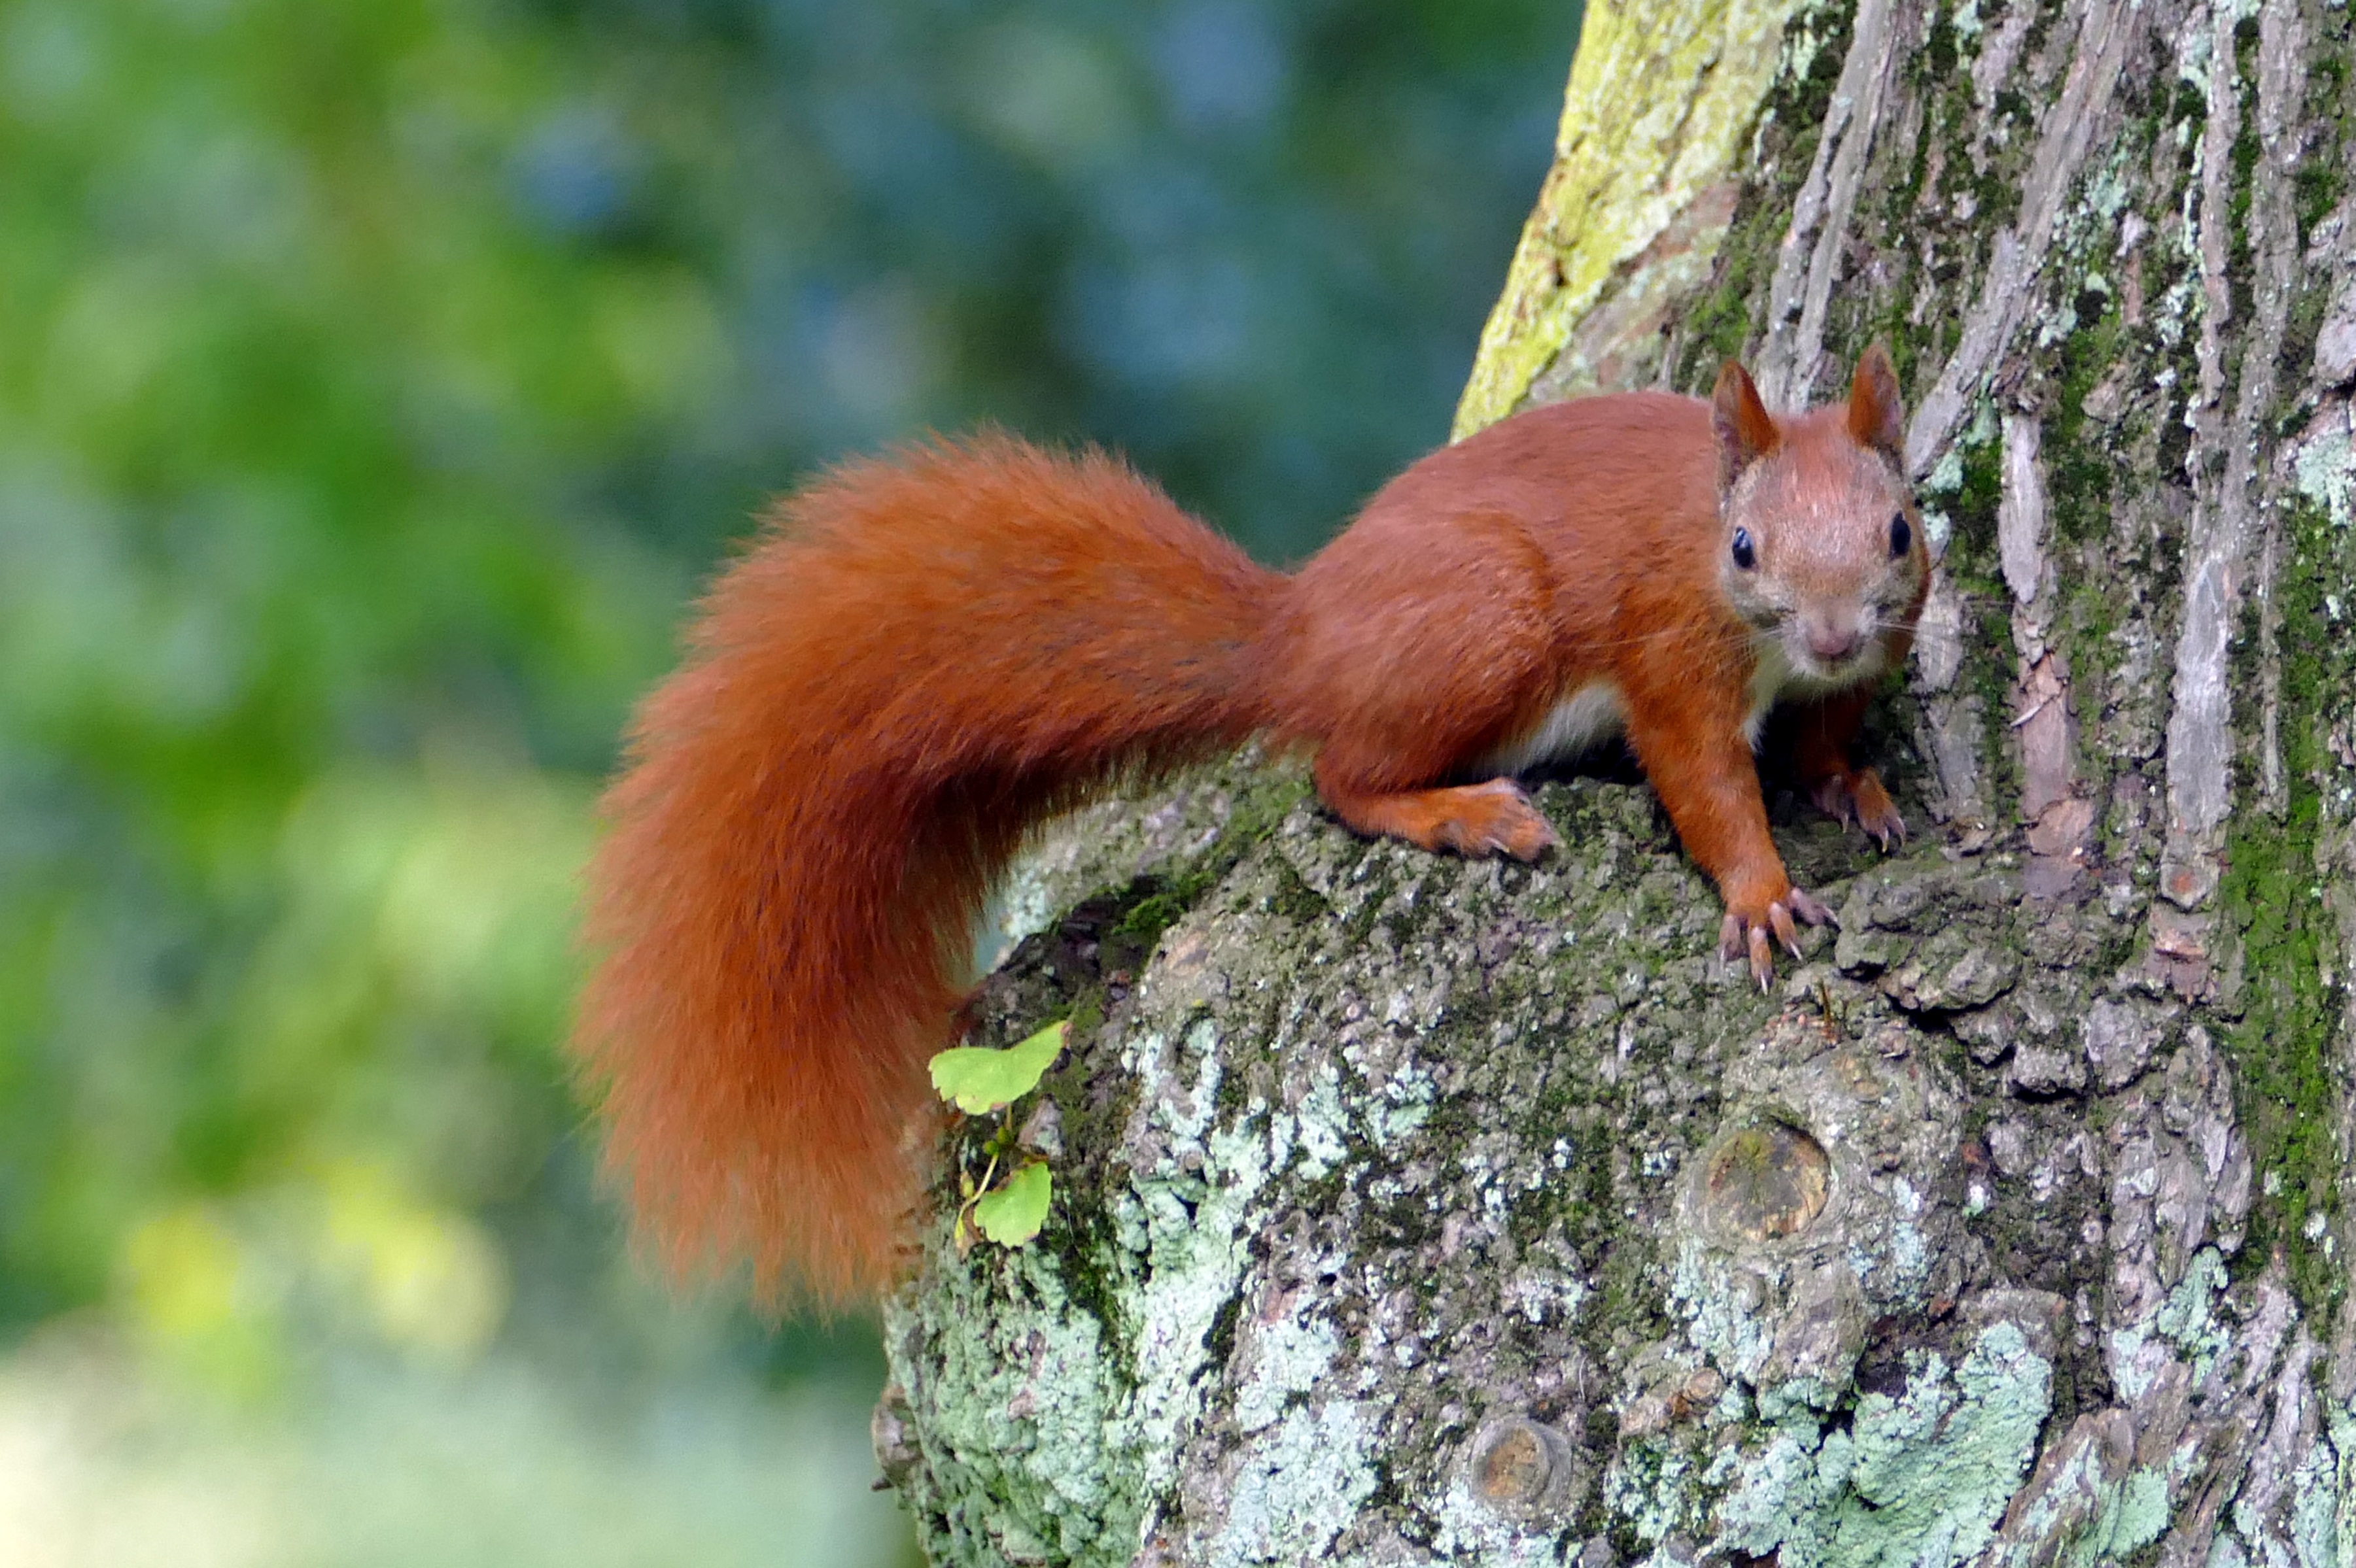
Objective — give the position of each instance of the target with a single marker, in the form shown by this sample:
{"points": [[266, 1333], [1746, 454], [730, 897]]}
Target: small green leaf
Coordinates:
{"points": [[1012, 1215], [976, 1080]]}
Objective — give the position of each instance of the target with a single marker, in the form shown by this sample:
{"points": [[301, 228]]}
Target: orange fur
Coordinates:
{"points": [[927, 655], [920, 661]]}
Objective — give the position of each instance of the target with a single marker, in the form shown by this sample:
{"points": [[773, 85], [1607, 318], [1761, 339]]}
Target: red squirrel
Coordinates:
{"points": [[928, 654]]}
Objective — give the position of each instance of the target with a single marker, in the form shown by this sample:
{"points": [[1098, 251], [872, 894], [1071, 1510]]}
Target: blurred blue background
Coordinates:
{"points": [[378, 381]]}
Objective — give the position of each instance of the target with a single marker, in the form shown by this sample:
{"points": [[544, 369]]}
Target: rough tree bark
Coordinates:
{"points": [[1417, 1211]]}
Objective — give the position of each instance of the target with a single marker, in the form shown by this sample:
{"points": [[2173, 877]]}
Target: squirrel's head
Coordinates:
{"points": [[1821, 545]]}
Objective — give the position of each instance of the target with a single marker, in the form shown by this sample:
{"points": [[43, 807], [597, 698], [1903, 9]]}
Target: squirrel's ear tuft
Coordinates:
{"points": [[1746, 432], [1877, 415]]}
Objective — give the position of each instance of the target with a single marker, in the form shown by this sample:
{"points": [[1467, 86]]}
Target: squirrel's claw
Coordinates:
{"points": [[1883, 823], [1753, 937], [1737, 938], [1810, 908], [1860, 797]]}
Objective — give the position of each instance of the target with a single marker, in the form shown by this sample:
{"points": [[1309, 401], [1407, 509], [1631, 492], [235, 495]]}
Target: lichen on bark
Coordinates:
{"points": [[1417, 1211]]}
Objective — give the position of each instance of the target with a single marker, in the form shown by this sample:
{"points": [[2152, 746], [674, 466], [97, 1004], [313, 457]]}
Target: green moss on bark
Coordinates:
{"points": [[2286, 1041]]}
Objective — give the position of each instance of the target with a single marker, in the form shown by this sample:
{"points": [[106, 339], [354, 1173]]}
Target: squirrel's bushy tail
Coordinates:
{"points": [[924, 657]]}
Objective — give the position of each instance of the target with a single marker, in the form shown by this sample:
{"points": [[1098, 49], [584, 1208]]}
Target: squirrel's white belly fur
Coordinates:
{"points": [[1592, 713], [1596, 712]]}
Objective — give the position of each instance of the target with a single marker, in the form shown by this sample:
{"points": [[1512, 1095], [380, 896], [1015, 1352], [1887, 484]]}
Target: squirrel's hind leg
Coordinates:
{"points": [[1412, 652], [1472, 819]]}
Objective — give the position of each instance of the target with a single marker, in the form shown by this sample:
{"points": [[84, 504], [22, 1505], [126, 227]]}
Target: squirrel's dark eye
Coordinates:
{"points": [[1901, 537], [1744, 556]]}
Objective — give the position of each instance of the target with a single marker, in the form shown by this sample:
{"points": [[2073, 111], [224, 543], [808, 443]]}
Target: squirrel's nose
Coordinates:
{"points": [[1833, 642]]}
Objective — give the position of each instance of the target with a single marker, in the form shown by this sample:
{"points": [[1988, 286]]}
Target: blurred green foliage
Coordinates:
{"points": [[378, 378], [295, 588]]}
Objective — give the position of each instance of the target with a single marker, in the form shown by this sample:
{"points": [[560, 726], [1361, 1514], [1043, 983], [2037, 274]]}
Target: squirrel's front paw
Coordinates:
{"points": [[1859, 797], [1750, 922]]}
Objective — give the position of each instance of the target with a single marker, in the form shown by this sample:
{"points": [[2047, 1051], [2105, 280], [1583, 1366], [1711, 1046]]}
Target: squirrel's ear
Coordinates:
{"points": [[1746, 432], [1877, 418]]}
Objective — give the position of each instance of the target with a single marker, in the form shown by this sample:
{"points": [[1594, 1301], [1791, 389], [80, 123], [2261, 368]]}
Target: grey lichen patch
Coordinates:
{"points": [[2342, 1539], [2089, 1501], [2325, 471], [1294, 1489], [2185, 1328], [1920, 1476], [1012, 1404]]}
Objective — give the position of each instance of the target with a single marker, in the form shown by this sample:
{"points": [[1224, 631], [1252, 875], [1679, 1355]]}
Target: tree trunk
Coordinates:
{"points": [[1411, 1209]]}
